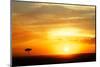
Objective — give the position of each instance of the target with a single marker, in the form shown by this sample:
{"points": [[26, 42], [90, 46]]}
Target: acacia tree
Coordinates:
{"points": [[28, 50]]}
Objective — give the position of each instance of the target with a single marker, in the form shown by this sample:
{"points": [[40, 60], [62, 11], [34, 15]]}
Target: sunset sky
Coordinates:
{"points": [[52, 29]]}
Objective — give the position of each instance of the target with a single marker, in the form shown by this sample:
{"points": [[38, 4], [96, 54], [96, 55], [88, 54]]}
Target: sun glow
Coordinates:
{"points": [[63, 43], [64, 32], [68, 49], [67, 32]]}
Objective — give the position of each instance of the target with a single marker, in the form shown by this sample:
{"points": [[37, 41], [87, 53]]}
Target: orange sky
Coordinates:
{"points": [[52, 29]]}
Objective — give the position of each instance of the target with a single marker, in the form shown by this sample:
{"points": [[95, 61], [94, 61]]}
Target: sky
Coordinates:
{"points": [[52, 29]]}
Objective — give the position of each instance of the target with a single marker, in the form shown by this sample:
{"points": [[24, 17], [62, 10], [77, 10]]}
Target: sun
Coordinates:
{"points": [[66, 49]]}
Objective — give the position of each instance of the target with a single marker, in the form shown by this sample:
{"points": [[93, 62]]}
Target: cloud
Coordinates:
{"points": [[42, 16]]}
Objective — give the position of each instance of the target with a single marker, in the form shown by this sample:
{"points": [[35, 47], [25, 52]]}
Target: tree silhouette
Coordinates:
{"points": [[28, 50]]}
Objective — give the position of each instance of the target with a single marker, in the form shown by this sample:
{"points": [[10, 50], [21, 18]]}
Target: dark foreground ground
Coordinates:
{"points": [[40, 60]]}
